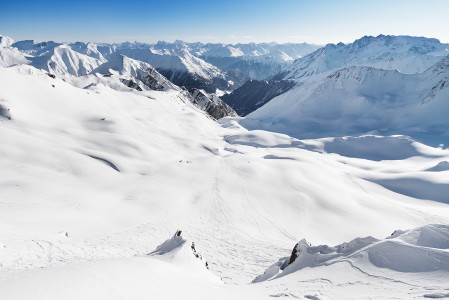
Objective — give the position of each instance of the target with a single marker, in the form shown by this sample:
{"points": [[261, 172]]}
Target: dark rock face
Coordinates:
{"points": [[155, 81], [131, 84], [294, 255], [211, 104], [191, 81], [5, 112], [254, 94]]}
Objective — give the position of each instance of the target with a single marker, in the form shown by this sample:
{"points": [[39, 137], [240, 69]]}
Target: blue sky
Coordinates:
{"points": [[229, 21]]}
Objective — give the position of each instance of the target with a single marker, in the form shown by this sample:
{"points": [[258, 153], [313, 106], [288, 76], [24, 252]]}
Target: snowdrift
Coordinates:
{"points": [[424, 249], [171, 272]]}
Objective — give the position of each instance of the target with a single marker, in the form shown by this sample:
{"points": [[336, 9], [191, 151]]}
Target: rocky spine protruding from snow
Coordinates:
{"points": [[211, 104], [135, 74], [175, 245], [181, 67], [422, 249], [4, 110], [142, 76]]}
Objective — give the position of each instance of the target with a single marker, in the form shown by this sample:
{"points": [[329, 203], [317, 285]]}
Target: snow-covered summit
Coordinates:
{"points": [[129, 69], [89, 49], [403, 53], [5, 41], [62, 60], [183, 60], [9, 55]]}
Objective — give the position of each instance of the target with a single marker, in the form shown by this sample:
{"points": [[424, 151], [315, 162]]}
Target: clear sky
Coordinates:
{"points": [[228, 21]]}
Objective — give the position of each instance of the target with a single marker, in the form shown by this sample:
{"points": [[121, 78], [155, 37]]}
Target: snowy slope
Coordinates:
{"points": [[403, 53], [95, 174], [287, 52], [360, 100], [254, 94], [170, 272], [359, 268], [181, 67], [5, 41], [118, 170], [89, 49], [193, 65], [182, 60], [245, 62], [221, 51], [62, 60], [129, 70], [10, 56]]}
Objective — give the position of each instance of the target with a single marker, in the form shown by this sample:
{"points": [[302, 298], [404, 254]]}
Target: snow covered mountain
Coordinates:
{"points": [[79, 63], [211, 104], [403, 53], [61, 59], [285, 52], [358, 99], [255, 93], [89, 49], [10, 56], [136, 74], [98, 170], [252, 61], [211, 67], [181, 68], [142, 76]]}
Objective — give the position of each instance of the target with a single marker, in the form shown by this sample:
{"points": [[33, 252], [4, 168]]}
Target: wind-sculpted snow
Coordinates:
{"points": [[417, 254], [376, 147], [174, 273], [417, 187], [440, 167]]}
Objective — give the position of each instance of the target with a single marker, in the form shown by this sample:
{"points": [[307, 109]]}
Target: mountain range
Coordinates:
{"points": [[379, 85], [117, 182]]}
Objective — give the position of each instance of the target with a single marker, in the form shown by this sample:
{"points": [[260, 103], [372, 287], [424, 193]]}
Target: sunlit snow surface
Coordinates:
{"points": [[92, 180]]}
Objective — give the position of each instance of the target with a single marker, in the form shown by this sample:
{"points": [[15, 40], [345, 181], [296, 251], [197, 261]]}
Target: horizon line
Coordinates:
{"points": [[174, 40]]}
